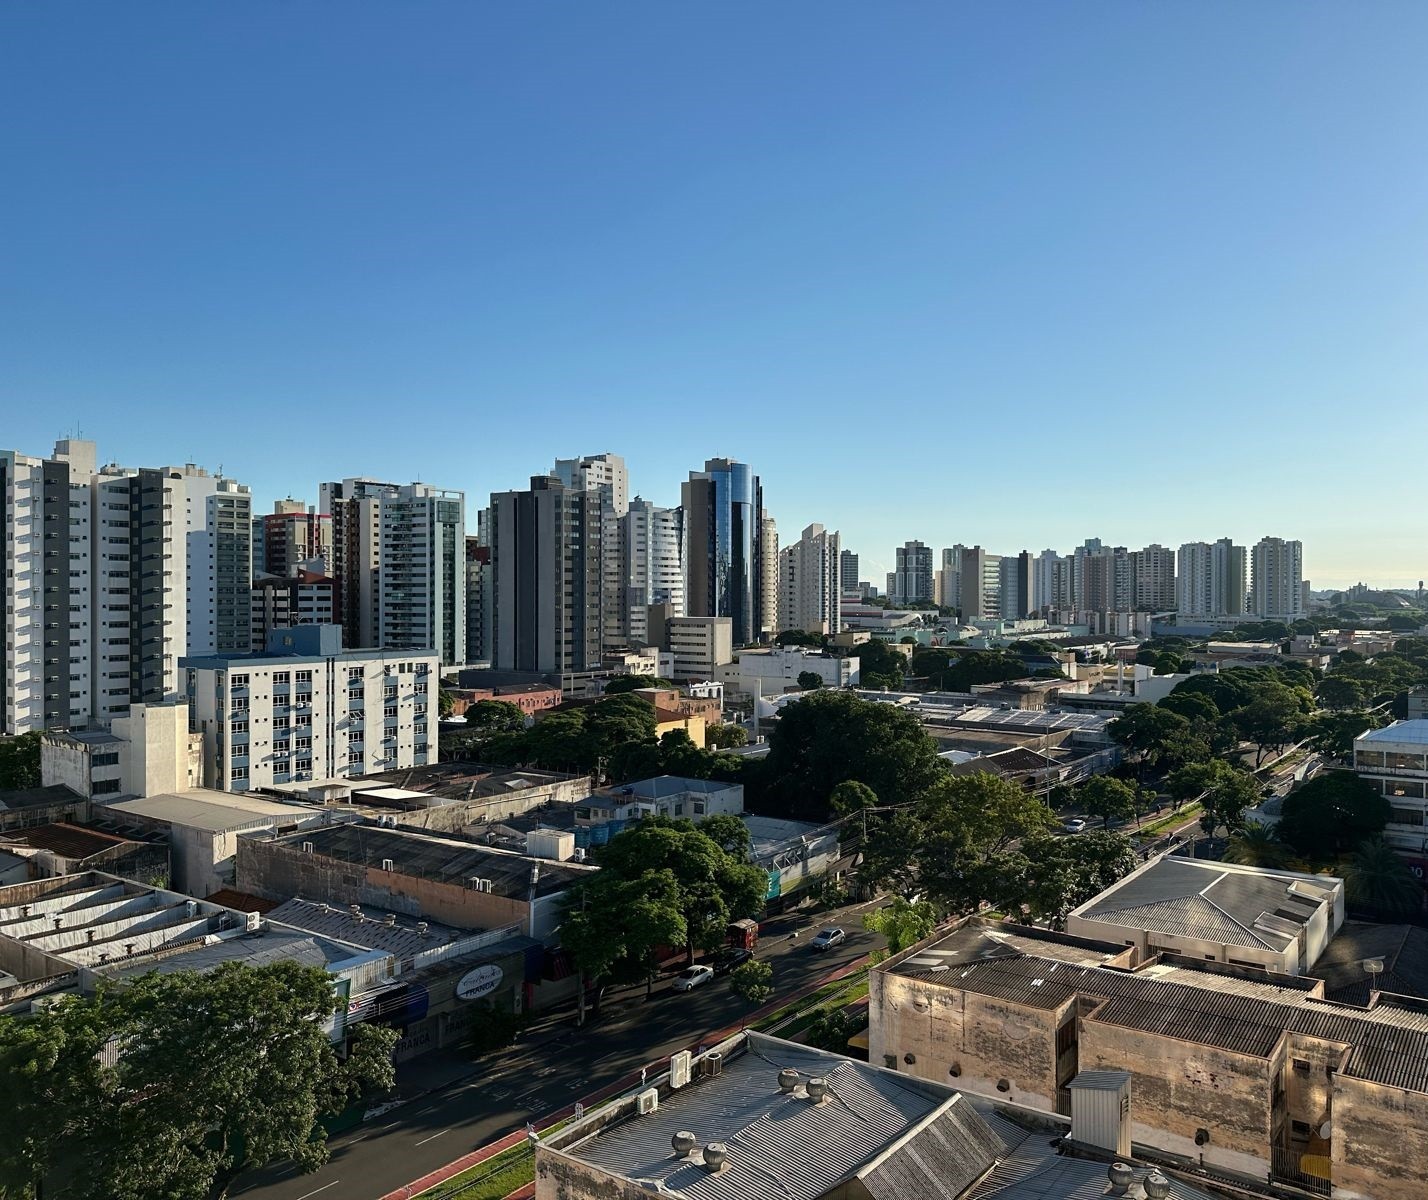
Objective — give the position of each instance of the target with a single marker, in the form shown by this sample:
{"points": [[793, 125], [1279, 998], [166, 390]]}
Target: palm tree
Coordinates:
{"points": [[1377, 878], [1257, 845]]}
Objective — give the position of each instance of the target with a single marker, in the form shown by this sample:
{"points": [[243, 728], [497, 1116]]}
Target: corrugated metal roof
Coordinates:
{"points": [[1192, 917], [783, 1145], [1389, 1042]]}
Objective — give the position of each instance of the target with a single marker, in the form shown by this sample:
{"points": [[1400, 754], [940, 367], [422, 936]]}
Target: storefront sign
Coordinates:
{"points": [[481, 981]]}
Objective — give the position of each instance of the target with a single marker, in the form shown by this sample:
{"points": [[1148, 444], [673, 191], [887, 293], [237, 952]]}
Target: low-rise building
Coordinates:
{"points": [[777, 668], [1279, 921], [1394, 762], [697, 646], [203, 828], [459, 883], [755, 1116], [147, 750], [530, 698], [40, 806], [62, 848], [796, 854], [306, 709], [1254, 1074]]}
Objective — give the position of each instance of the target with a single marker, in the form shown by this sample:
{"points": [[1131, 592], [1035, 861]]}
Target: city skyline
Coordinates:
{"points": [[1042, 241]]}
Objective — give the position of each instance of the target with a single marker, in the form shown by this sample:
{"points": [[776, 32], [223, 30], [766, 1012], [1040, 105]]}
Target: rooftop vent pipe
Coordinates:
{"points": [[683, 1143], [1121, 1176], [817, 1089], [1156, 1186], [788, 1080], [715, 1154]]}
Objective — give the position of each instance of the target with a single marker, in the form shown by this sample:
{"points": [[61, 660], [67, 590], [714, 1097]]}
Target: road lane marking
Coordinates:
{"points": [[323, 1188], [433, 1137]]}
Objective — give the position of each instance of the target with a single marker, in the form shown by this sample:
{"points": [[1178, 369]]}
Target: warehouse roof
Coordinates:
{"points": [[1415, 731], [1215, 902], [443, 859], [204, 808], [64, 839], [1196, 1003]]}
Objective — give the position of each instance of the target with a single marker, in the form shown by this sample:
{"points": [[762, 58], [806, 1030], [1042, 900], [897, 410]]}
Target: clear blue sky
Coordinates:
{"points": [[1008, 273]]}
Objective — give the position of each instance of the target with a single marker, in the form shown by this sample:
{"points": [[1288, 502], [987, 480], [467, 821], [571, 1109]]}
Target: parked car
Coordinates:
{"points": [[1074, 825], [826, 939], [726, 960], [692, 978]]}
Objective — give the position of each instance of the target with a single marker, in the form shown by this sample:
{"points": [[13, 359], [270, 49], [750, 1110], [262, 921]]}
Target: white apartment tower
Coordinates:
{"points": [[1153, 573], [809, 582], [305, 709], [112, 574], [1210, 579], [399, 556], [1277, 581], [653, 553], [771, 621]]}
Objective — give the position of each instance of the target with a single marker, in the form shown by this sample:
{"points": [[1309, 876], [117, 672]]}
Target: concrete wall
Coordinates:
{"points": [[451, 818], [66, 762], [156, 758], [1178, 1088], [1378, 1142], [281, 872], [945, 1029]]}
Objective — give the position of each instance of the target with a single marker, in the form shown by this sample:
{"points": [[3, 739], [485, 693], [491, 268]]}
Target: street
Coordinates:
{"points": [[523, 1082]]}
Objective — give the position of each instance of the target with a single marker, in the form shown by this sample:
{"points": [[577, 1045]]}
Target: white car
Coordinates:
{"points": [[691, 978], [826, 939], [1074, 825]]}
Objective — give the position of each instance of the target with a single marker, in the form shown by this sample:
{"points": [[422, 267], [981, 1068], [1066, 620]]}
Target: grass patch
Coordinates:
{"points": [[1152, 828], [491, 1180], [838, 994]]}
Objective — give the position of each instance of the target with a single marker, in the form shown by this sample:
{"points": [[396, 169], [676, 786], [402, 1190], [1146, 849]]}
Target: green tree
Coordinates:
{"points": [[445, 703], [1106, 797], [729, 833], [1272, 719], [752, 980], [20, 762], [831, 736], [617, 923], [830, 1030], [1333, 733], [798, 637], [1377, 879], [810, 681], [902, 923], [559, 741], [1336, 691], [725, 737], [615, 720], [1223, 790], [496, 716], [879, 666], [1149, 734], [951, 846], [698, 881], [1255, 844], [623, 684], [1050, 876], [1331, 814], [219, 1073], [1190, 705], [851, 796]]}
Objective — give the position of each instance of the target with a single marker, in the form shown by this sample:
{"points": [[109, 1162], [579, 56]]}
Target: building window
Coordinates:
{"points": [[104, 787], [239, 773], [280, 678], [280, 722], [354, 674], [303, 720], [238, 681], [304, 676], [699, 808]]}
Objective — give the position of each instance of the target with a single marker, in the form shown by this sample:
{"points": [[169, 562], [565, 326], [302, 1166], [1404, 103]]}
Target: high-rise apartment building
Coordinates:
{"points": [[291, 536], [947, 583], [1050, 582], [770, 619], [1015, 586], [1153, 575], [305, 709], [1210, 579], [1277, 581], [847, 572], [398, 554], [912, 575], [546, 578], [605, 476], [653, 553], [112, 574], [981, 584], [478, 592], [725, 565], [282, 601], [809, 582]]}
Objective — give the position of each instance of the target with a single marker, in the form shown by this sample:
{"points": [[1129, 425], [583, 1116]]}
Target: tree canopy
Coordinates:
{"points": [[661, 883], [1106, 797], [217, 1073], [20, 762], [1224, 790], [958, 672], [810, 681], [1377, 879], [1331, 815], [828, 737], [495, 716], [879, 666], [903, 923]]}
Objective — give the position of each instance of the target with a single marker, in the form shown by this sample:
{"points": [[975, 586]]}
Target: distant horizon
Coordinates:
{"points": [[264, 497], [975, 273]]}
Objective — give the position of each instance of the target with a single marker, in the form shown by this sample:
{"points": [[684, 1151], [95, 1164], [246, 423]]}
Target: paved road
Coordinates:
{"points": [[414, 1138]]}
